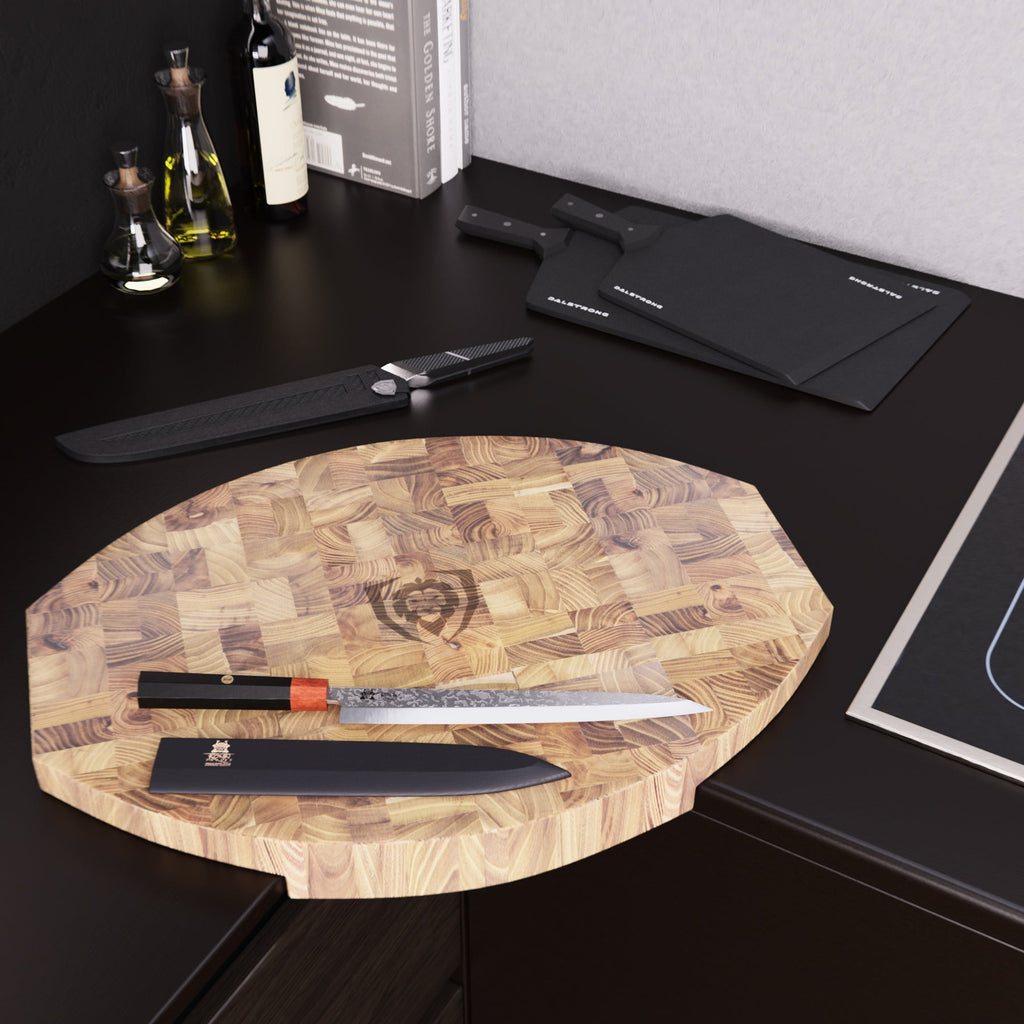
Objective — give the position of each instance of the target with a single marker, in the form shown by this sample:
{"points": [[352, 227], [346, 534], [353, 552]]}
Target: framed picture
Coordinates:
{"points": [[951, 675]]}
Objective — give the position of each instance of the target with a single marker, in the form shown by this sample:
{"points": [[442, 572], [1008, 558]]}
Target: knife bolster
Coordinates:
{"points": [[308, 694]]}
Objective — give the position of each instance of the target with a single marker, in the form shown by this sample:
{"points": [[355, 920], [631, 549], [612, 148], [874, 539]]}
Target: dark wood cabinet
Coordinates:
{"points": [[320, 961], [698, 917]]}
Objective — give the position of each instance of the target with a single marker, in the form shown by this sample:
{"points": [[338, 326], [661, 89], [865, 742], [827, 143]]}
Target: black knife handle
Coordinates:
{"points": [[580, 214], [272, 693], [303, 403], [498, 228], [423, 371]]}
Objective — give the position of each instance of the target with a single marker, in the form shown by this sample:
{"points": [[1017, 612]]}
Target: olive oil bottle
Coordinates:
{"points": [[197, 207]]}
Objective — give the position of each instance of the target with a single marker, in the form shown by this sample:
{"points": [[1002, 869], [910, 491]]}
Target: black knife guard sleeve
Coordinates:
{"points": [[303, 403], [342, 768]]}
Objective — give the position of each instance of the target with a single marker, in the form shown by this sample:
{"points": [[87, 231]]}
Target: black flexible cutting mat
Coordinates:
{"points": [[788, 308], [573, 263]]}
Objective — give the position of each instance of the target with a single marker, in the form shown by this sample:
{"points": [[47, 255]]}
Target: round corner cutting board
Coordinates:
{"points": [[575, 565]]}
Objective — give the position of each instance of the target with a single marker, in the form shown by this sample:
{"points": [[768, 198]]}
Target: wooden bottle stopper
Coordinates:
{"points": [[180, 83], [126, 157], [177, 65]]}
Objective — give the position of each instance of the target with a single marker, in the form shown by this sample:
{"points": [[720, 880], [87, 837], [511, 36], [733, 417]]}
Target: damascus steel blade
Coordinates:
{"points": [[462, 707]]}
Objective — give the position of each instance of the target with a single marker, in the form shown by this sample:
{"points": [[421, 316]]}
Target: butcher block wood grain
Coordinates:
{"points": [[450, 561]]}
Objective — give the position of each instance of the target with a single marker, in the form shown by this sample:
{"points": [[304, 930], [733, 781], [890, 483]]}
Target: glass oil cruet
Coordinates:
{"points": [[197, 207], [139, 256]]}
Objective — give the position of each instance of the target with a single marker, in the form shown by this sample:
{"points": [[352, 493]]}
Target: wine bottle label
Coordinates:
{"points": [[279, 118]]}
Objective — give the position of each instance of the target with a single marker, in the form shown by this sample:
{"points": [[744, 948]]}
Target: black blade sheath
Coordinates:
{"points": [[282, 407], [334, 396], [341, 768]]}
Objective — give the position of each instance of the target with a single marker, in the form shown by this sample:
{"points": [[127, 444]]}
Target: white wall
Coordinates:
{"points": [[893, 130]]}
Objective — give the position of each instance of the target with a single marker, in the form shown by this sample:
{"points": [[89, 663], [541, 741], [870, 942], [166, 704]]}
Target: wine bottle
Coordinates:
{"points": [[272, 143]]}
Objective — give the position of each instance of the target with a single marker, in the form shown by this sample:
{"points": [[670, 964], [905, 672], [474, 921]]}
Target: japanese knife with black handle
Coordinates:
{"points": [[272, 410], [410, 705]]}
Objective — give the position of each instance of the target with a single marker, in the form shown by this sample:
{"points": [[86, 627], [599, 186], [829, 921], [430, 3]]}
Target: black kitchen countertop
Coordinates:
{"points": [[102, 925]]}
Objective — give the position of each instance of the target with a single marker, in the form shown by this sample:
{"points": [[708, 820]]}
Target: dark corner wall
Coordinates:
{"points": [[74, 79]]}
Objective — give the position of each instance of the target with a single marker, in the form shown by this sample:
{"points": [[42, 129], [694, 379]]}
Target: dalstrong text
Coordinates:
{"points": [[576, 305], [639, 298], [875, 287]]}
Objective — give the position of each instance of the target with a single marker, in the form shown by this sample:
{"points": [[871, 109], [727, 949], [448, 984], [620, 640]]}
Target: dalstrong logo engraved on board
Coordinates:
{"points": [[219, 756], [442, 604]]}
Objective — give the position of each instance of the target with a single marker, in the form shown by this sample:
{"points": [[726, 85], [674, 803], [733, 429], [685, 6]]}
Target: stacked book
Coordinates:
{"points": [[385, 89], [728, 292]]}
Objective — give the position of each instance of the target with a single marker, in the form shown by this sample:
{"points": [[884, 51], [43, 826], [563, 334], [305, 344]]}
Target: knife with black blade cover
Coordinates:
{"points": [[272, 410]]}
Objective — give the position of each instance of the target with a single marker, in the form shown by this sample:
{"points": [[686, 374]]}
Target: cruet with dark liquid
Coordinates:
{"points": [[139, 256]]}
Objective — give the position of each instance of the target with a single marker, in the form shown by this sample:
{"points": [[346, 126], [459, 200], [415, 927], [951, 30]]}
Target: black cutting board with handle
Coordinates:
{"points": [[788, 308], [565, 286], [573, 263]]}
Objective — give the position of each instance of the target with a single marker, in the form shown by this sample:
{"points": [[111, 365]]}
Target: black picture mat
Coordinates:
{"points": [[933, 682]]}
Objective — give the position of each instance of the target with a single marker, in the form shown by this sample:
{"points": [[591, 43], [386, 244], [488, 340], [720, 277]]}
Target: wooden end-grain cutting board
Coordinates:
{"points": [[572, 564]]}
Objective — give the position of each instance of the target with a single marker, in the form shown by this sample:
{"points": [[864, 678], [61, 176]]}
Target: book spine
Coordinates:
{"points": [[449, 64], [467, 126], [423, 52]]}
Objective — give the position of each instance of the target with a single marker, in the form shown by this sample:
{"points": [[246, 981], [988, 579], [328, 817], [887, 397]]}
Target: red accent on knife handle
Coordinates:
{"points": [[308, 694]]}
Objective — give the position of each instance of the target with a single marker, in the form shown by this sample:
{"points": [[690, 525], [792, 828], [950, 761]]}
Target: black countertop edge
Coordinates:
{"points": [[266, 904], [863, 863]]}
